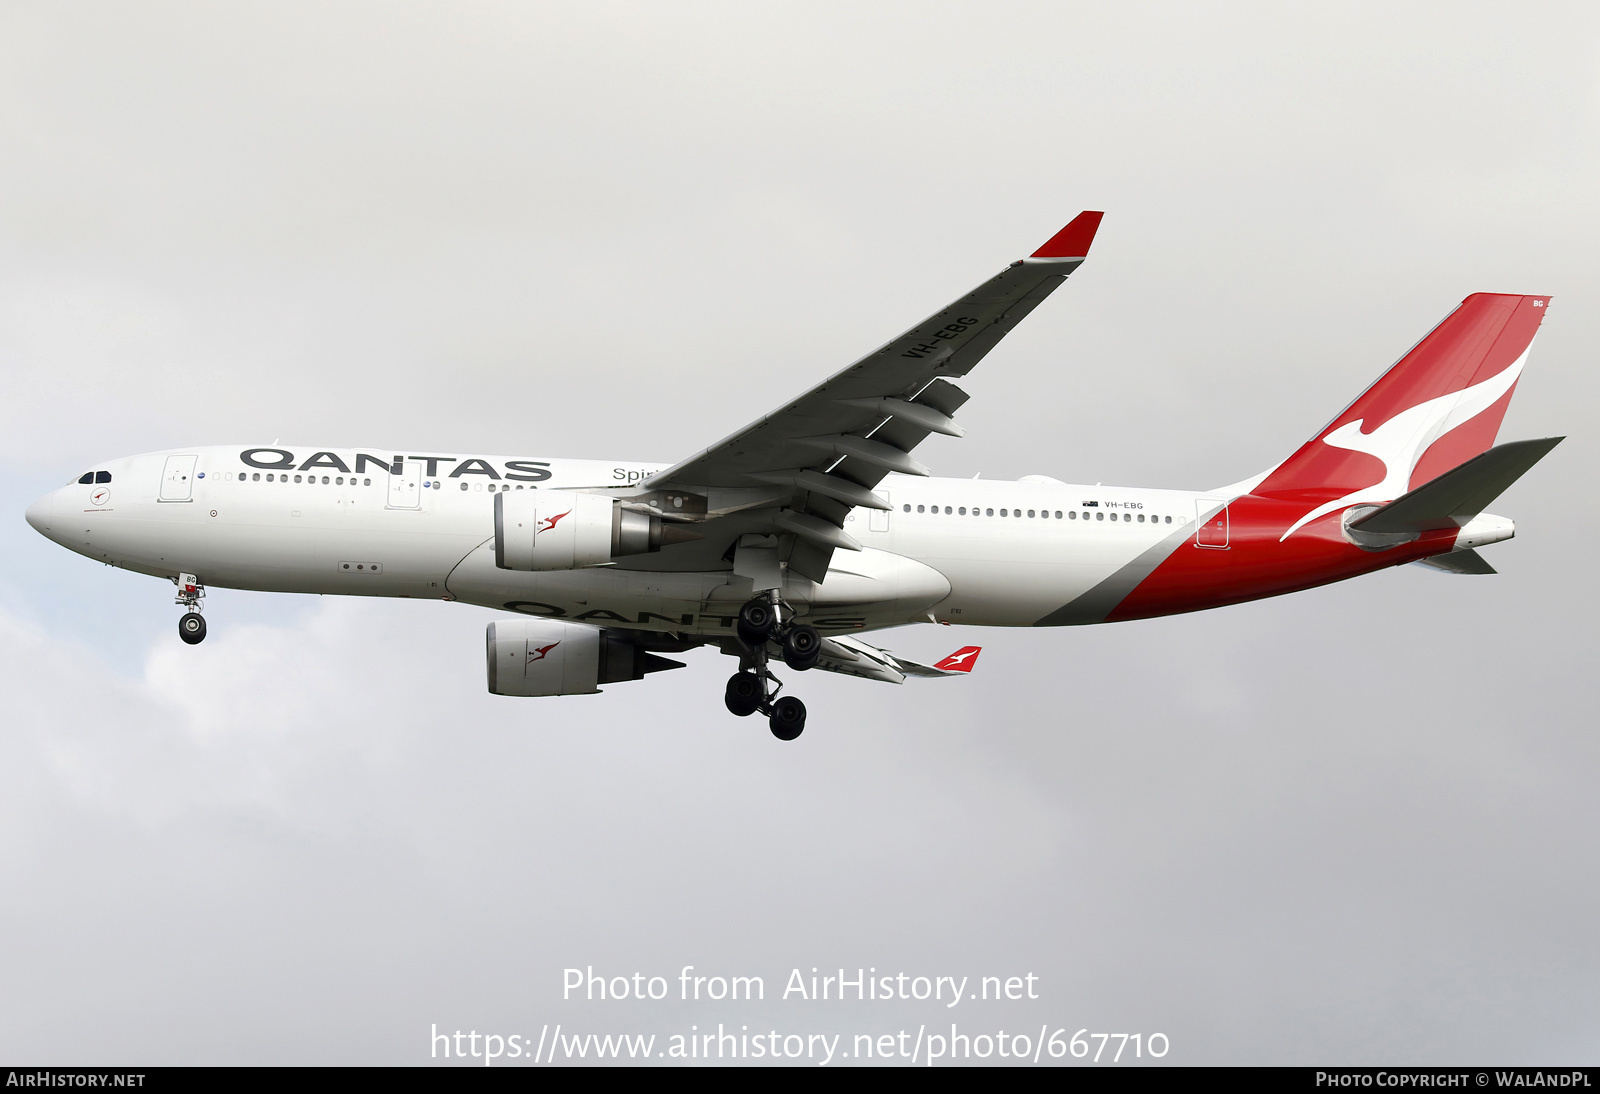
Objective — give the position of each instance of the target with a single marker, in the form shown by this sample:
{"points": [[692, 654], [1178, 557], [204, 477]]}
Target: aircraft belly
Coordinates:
{"points": [[878, 590], [1013, 580], [258, 548]]}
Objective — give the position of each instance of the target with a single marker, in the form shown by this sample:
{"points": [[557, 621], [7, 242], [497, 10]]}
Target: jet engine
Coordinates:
{"points": [[549, 657], [556, 530]]}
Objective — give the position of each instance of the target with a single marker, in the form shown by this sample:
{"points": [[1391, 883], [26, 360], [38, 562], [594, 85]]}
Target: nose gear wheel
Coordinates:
{"points": [[192, 628]]}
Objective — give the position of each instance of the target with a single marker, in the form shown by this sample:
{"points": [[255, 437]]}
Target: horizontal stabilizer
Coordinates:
{"points": [[1458, 495], [1459, 562]]}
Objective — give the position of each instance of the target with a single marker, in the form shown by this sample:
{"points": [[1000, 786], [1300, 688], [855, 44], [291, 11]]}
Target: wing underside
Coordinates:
{"points": [[798, 472]]}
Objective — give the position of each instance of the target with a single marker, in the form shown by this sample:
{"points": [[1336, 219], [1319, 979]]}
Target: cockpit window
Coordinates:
{"points": [[102, 476]]}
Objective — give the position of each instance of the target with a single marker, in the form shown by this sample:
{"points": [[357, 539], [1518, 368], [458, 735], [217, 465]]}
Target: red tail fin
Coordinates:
{"points": [[1436, 408]]}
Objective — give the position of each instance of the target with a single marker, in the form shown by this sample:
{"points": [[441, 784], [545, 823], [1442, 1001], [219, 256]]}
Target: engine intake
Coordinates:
{"points": [[549, 657], [555, 530]]}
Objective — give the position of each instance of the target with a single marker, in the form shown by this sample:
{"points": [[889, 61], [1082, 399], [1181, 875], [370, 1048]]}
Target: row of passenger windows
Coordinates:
{"points": [[338, 480], [1070, 514]]}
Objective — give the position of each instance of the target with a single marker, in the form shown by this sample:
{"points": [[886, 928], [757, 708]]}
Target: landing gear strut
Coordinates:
{"points": [[755, 688], [192, 627]]}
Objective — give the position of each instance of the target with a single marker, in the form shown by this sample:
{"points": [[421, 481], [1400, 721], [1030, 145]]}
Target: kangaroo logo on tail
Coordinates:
{"points": [[962, 660], [1401, 441]]}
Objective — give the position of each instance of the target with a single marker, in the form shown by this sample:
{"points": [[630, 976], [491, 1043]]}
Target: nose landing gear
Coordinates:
{"points": [[755, 688], [192, 627]]}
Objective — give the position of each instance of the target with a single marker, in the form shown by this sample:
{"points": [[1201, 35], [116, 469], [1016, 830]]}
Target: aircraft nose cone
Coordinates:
{"points": [[41, 513]]}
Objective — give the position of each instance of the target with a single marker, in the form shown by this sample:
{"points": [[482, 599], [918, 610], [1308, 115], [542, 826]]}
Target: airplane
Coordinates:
{"points": [[814, 524]]}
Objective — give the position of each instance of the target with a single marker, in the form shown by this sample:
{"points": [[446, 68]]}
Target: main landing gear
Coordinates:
{"points": [[755, 688], [192, 627]]}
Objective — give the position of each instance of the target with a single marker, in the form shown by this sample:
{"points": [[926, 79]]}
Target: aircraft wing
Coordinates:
{"points": [[805, 466], [852, 657]]}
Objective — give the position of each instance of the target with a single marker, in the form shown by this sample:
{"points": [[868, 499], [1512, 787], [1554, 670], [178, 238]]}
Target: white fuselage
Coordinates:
{"points": [[991, 553]]}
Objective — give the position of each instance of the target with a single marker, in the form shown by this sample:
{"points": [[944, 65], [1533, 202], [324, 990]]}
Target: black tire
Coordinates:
{"points": [[802, 645], [744, 694], [757, 620], [788, 718], [192, 628]]}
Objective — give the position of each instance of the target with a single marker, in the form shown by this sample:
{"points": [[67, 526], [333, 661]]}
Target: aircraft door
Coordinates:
{"points": [[405, 489], [1211, 523], [177, 478]]}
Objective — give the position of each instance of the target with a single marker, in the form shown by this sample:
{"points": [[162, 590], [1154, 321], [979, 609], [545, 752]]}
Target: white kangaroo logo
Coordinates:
{"points": [[1401, 441]]}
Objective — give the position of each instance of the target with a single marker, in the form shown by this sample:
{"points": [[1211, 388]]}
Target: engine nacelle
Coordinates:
{"points": [[557, 530], [548, 657]]}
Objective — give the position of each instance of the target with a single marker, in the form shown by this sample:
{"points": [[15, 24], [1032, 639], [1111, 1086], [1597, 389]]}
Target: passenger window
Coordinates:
{"points": [[324, 480], [1030, 512], [297, 478], [988, 512], [365, 482], [1003, 512], [338, 481], [1169, 520], [907, 507], [962, 511], [1072, 515], [463, 486], [1141, 518], [1100, 516], [947, 510], [919, 508], [1058, 514], [256, 477]]}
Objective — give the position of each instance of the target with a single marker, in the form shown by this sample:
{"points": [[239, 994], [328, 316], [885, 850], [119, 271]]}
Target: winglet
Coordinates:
{"points": [[960, 661], [1073, 240]]}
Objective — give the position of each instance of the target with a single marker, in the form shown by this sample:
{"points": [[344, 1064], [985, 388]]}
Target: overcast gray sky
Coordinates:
{"points": [[1353, 825]]}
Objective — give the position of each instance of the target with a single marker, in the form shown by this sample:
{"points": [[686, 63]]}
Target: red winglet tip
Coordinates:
{"points": [[962, 660], [1073, 240]]}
